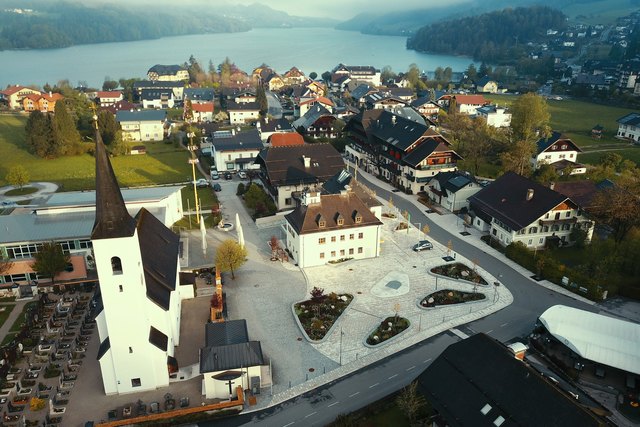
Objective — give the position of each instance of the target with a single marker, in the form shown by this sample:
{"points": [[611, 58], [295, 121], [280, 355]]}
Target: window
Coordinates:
{"points": [[530, 242], [322, 241], [541, 241], [360, 235], [341, 252], [533, 230], [568, 214], [350, 251], [360, 250], [342, 237], [351, 236], [545, 229], [130, 349], [120, 288], [340, 221], [321, 255], [116, 265], [287, 201], [333, 238], [333, 254], [135, 382]]}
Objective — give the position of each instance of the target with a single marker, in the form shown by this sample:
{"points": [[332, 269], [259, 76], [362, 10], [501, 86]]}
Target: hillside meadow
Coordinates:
{"points": [[163, 163]]}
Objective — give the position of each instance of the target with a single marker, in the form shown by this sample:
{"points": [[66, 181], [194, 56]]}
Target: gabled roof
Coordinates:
{"points": [[13, 89], [423, 101], [602, 339], [166, 70], [120, 106], [304, 219], [470, 99], [453, 181], [362, 90], [233, 356], [468, 391], [310, 117], [202, 107], [199, 93], [428, 146], [243, 106], [483, 81], [286, 139], [505, 199], [109, 94], [141, 115], [241, 141], [396, 131], [159, 248], [274, 125], [285, 165], [343, 179], [226, 333], [545, 144], [631, 119], [401, 91], [319, 100]]}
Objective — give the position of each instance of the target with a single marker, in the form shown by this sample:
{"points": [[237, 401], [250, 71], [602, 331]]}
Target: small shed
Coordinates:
{"points": [[138, 149], [596, 131]]}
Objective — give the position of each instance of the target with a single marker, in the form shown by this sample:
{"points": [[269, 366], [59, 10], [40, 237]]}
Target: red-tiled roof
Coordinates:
{"points": [[286, 139], [470, 99], [205, 107], [109, 94], [13, 89], [320, 99]]}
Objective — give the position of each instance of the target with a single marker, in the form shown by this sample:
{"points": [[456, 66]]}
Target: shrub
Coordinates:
{"points": [[240, 190], [317, 294]]}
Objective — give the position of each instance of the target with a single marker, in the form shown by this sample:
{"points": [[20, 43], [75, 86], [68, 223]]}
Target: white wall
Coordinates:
{"points": [[554, 156], [226, 159], [142, 131], [239, 117], [220, 389]]}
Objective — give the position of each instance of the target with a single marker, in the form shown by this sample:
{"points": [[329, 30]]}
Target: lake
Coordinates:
{"points": [[309, 49]]}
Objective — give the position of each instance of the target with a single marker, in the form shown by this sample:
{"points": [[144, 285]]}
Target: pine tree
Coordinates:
{"points": [[261, 99], [39, 134], [66, 137], [108, 126]]}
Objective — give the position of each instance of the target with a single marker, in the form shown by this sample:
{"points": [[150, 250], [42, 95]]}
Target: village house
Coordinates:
{"points": [[294, 76], [427, 108], [275, 82], [496, 116], [236, 152], [486, 85], [629, 127], [382, 101], [157, 98], [142, 125], [202, 111], [288, 171], [268, 126], [106, 98], [244, 112], [405, 94], [331, 227], [306, 104], [514, 208], [452, 189], [45, 103], [318, 122], [363, 74], [13, 95], [463, 104], [159, 85], [198, 95], [559, 152], [168, 73], [406, 153]]}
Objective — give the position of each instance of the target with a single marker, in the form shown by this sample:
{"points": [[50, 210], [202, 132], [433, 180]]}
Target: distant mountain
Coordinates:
{"points": [[261, 16]]}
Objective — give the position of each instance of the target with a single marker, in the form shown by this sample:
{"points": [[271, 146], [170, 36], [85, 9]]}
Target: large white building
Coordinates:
{"points": [[237, 151], [145, 125], [629, 127], [326, 228], [496, 116], [138, 271]]}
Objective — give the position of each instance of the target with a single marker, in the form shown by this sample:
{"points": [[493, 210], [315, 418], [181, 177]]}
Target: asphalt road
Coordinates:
{"points": [[368, 385]]}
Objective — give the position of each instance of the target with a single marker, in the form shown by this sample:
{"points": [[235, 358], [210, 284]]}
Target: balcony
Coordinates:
{"points": [[410, 177], [558, 221], [435, 167]]}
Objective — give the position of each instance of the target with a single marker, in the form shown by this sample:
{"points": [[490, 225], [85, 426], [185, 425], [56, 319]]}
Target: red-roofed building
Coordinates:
{"points": [[45, 103], [107, 98], [463, 104], [14, 95], [306, 104], [286, 139], [120, 106], [202, 112]]}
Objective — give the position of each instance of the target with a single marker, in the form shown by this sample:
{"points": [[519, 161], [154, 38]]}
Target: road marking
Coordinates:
{"points": [[287, 425], [408, 369], [334, 403], [504, 324], [354, 394], [392, 376], [489, 331], [372, 386], [313, 413], [427, 361]]}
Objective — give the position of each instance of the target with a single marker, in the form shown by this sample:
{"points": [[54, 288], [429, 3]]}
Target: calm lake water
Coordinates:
{"points": [[310, 49]]}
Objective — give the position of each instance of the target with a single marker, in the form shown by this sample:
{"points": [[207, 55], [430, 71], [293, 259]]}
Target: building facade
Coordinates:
{"points": [[146, 125]]}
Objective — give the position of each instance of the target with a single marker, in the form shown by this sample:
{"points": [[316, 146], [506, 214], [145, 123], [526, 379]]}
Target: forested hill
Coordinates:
{"points": [[492, 37], [54, 25]]}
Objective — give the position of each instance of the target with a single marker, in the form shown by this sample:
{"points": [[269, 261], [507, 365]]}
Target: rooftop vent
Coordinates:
{"points": [[529, 194]]}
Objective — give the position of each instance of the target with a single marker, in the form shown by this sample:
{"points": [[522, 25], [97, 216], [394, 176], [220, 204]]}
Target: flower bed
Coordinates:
{"points": [[459, 271], [450, 297], [318, 314], [388, 328]]}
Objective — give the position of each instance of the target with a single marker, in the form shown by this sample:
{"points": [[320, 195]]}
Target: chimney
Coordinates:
{"points": [[529, 194], [393, 120], [266, 119], [309, 197], [307, 161], [518, 349], [233, 131]]}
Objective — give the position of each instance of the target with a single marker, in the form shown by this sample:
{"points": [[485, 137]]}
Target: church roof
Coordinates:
{"points": [[112, 219]]}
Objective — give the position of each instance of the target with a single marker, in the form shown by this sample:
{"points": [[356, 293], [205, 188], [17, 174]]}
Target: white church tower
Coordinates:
{"points": [[138, 272]]}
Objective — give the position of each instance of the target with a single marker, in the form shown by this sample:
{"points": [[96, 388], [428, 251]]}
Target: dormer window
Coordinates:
{"points": [[357, 217], [321, 221], [339, 219]]}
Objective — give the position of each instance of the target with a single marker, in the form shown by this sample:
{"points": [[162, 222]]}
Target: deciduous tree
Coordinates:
{"points": [[18, 176], [410, 401], [230, 256], [517, 158], [618, 208], [530, 118], [261, 99], [50, 260]]}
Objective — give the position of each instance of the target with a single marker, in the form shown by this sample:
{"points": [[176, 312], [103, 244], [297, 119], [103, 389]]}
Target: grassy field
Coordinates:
{"points": [[600, 11], [162, 164], [8, 308]]}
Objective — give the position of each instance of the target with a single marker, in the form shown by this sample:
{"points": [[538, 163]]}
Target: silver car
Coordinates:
{"points": [[422, 245]]}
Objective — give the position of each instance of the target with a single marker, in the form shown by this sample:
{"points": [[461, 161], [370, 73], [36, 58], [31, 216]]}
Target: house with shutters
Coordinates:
{"points": [[137, 260], [427, 108], [329, 227], [168, 73], [107, 98], [142, 125], [237, 151], [157, 98], [486, 85], [514, 208], [317, 122], [45, 103], [559, 152], [307, 104], [406, 153], [452, 189], [288, 171], [294, 77], [13, 95], [629, 127]]}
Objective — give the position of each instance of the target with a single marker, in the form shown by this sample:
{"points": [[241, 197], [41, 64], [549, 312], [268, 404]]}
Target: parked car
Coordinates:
{"points": [[201, 183], [422, 245], [217, 187], [242, 175], [215, 174], [227, 176]]}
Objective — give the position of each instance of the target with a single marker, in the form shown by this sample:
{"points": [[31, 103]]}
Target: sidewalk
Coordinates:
{"points": [[15, 313]]}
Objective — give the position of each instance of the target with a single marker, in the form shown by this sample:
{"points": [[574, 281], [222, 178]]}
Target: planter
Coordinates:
{"points": [[305, 310], [449, 297], [456, 272], [398, 327]]}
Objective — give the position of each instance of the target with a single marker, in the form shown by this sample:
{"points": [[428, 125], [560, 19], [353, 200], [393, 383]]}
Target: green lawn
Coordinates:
{"points": [[162, 164], [8, 308], [21, 318], [599, 11]]}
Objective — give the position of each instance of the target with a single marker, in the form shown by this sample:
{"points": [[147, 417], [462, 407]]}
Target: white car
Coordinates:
{"points": [[242, 175], [200, 183]]}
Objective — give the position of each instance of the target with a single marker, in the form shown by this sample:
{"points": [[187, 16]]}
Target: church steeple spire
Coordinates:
{"points": [[112, 218]]}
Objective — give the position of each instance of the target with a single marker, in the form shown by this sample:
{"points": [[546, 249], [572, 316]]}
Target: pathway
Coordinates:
{"points": [[15, 313]]}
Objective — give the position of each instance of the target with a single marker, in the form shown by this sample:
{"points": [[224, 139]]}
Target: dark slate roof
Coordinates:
{"points": [[311, 116], [233, 356], [590, 79], [156, 84], [166, 70], [159, 249], [341, 180], [631, 119], [581, 192], [401, 134], [274, 125], [104, 347], [483, 81], [460, 383], [141, 115], [153, 94], [241, 141], [158, 338], [427, 147], [401, 91], [544, 144], [285, 166], [453, 181], [226, 333], [422, 101], [199, 94], [305, 219], [361, 91], [112, 218], [242, 106], [506, 200]]}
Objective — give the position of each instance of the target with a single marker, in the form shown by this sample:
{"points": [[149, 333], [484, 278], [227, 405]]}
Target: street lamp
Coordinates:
{"points": [[341, 334], [194, 161]]}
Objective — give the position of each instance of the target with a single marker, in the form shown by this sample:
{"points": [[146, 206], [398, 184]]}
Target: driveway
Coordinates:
{"points": [[44, 189]]}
